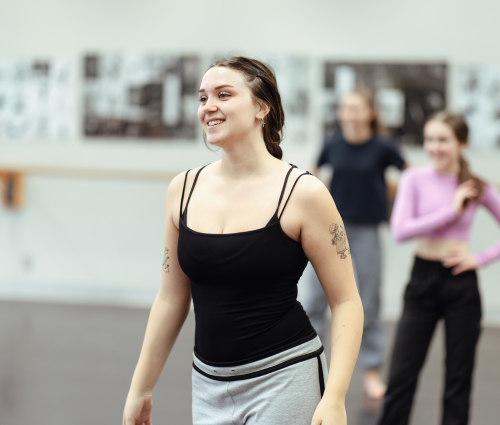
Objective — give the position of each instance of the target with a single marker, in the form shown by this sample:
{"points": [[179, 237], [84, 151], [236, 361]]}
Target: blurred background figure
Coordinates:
{"points": [[436, 204], [359, 155]]}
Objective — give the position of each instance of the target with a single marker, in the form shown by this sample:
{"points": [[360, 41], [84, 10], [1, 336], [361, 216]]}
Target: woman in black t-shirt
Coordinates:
{"points": [[359, 156]]}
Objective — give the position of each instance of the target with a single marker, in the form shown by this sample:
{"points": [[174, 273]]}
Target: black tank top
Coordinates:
{"points": [[244, 288]]}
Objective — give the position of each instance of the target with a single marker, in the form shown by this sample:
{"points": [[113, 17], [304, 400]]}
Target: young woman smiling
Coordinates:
{"points": [[238, 235], [436, 204]]}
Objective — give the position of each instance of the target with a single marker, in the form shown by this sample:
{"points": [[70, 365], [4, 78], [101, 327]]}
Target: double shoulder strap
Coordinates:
{"points": [[284, 187], [279, 202], [190, 192]]}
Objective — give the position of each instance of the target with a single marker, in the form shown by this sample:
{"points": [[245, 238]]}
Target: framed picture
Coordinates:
{"points": [[36, 100], [476, 94], [406, 94], [140, 96]]}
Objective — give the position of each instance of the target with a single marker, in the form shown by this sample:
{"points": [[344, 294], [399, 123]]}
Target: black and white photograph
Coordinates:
{"points": [[140, 96], [36, 100], [294, 83], [476, 94], [405, 94]]}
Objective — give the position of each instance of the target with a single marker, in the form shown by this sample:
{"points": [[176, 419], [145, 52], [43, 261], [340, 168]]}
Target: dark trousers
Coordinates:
{"points": [[434, 293]]}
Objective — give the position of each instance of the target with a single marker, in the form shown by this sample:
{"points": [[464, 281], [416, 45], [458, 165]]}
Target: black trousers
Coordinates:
{"points": [[434, 293]]}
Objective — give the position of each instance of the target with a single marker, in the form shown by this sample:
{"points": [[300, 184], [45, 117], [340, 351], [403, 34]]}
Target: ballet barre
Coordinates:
{"points": [[12, 178]]}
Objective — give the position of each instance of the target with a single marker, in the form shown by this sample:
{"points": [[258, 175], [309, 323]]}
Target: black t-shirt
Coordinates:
{"points": [[358, 184]]}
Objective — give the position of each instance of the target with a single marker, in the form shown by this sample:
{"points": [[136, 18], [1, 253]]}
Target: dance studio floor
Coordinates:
{"points": [[64, 364]]}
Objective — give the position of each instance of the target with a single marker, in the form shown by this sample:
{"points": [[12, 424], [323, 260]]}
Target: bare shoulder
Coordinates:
{"points": [[310, 192], [185, 178], [320, 222]]}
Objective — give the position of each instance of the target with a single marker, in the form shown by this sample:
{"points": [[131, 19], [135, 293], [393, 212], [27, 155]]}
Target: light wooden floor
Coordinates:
{"points": [[66, 364]]}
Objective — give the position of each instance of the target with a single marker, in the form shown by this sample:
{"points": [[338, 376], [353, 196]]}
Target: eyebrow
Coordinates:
{"points": [[217, 88]]}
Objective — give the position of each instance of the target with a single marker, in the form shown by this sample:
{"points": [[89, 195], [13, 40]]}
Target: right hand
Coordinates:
{"points": [[466, 191], [138, 410]]}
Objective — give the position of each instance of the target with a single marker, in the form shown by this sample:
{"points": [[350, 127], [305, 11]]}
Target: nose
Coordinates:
{"points": [[209, 107]]}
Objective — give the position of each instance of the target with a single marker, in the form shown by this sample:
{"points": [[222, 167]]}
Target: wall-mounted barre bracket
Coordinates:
{"points": [[12, 188]]}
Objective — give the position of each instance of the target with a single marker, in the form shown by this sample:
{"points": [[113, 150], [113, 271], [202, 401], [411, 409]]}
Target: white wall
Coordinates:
{"points": [[84, 238]]}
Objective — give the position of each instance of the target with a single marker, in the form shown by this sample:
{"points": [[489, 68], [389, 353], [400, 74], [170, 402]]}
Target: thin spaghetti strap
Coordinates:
{"points": [[290, 194], [284, 187], [191, 192], [183, 190]]}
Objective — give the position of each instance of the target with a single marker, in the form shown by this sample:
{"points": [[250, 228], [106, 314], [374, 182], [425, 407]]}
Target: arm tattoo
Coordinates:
{"points": [[166, 266], [340, 239]]}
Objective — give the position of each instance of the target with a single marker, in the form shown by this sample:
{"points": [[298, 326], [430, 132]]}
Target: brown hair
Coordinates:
{"points": [[458, 124], [261, 79], [368, 95]]}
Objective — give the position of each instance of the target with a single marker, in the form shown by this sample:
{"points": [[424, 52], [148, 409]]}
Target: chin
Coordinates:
{"points": [[215, 141], [440, 165], [221, 140]]}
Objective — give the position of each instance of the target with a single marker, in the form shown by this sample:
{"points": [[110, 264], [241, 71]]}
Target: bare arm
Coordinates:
{"points": [[325, 244], [166, 318]]}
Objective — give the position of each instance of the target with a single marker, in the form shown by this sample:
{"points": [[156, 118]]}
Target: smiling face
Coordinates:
{"points": [[227, 109], [442, 146]]}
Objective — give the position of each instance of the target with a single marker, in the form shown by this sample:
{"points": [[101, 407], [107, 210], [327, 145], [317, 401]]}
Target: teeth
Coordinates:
{"points": [[210, 123]]}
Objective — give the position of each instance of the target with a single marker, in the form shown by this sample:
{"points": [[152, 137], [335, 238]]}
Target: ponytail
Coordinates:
{"points": [[464, 174]]}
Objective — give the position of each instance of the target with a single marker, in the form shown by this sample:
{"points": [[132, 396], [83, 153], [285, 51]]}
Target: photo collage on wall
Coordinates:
{"points": [[141, 96], [405, 94], [36, 100], [477, 96], [154, 97]]}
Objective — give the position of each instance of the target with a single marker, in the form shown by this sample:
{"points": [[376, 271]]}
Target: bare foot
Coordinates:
{"points": [[374, 386]]}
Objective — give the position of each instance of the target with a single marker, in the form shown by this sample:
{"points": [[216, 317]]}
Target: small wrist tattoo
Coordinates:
{"points": [[340, 239], [166, 266]]}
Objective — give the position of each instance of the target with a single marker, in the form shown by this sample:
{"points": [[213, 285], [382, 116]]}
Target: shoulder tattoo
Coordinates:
{"points": [[166, 266], [339, 239]]}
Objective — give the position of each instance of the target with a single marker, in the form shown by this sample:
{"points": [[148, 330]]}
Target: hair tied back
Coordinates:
{"points": [[265, 90]]}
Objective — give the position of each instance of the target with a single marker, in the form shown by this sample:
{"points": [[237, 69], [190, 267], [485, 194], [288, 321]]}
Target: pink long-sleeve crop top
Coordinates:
{"points": [[424, 208]]}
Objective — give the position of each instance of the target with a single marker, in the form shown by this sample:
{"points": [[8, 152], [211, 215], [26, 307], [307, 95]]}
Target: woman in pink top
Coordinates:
{"points": [[436, 205]]}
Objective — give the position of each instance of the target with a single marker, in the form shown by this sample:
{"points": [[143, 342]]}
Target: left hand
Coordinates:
{"points": [[330, 413], [460, 261]]}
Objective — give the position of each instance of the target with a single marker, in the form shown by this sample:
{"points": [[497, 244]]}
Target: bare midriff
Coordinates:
{"points": [[438, 249]]}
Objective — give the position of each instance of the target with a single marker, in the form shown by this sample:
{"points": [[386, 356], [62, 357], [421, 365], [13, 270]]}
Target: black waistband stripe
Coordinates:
{"points": [[269, 370]]}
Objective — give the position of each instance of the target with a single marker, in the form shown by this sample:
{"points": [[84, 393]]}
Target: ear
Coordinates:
{"points": [[461, 148], [262, 111]]}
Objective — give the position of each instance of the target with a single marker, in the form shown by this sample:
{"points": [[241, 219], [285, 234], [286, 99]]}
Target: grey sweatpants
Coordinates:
{"points": [[276, 390], [366, 255]]}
